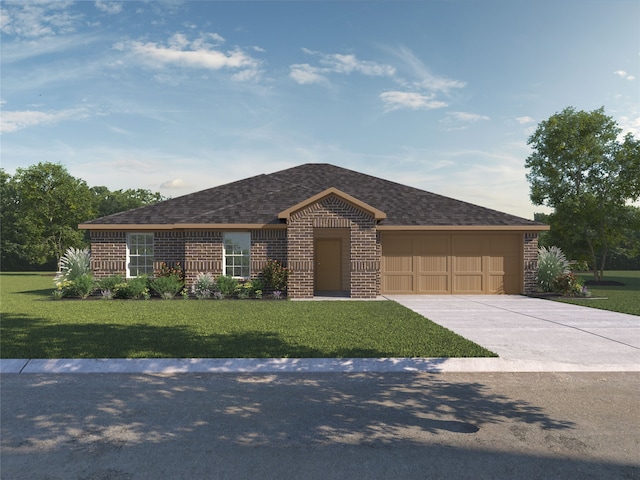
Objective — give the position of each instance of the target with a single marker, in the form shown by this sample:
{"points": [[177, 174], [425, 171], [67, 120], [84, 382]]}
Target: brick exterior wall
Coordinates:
{"points": [[331, 213], [108, 253], [530, 262]]}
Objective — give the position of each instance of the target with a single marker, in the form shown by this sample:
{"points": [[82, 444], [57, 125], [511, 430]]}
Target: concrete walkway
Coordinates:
{"points": [[529, 335]]}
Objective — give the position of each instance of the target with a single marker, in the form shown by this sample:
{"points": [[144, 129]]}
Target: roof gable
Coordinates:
{"points": [[377, 214]]}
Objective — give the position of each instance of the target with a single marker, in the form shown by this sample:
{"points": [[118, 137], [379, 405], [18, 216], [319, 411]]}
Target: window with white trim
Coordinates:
{"points": [[237, 254], [139, 254]]}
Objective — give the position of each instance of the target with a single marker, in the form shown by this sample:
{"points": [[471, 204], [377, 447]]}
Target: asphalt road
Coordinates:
{"points": [[320, 426]]}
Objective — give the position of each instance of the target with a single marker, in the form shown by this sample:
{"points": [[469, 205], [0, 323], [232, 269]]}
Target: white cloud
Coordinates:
{"points": [[304, 74], [37, 19], [413, 100], [112, 8], [198, 53], [624, 74], [466, 117], [17, 120], [176, 183], [336, 63], [422, 76], [525, 120]]}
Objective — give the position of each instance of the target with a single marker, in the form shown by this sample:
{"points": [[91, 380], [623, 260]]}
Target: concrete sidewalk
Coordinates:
{"points": [[529, 335]]}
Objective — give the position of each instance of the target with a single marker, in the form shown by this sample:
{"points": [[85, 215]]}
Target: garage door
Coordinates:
{"points": [[429, 263]]}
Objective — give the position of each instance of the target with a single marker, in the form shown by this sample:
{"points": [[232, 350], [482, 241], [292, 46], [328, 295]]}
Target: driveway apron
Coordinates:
{"points": [[537, 334]]}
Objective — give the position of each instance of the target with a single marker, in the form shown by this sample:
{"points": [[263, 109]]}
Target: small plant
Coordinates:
{"points": [[227, 285], [567, 284], [275, 275], [106, 294], [83, 286], [203, 286], [167, 271], [218, 296], [258, 294], [257, 285], [167, 287], [184, 293], [277, 294], [551, 264]]}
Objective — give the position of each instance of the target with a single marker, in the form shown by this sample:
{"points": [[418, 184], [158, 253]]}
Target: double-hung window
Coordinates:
{"points": [[139, 254], [237, 254]]}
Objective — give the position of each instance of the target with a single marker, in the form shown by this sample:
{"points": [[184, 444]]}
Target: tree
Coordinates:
{"points": [[41, 213], [580, 168], [106, 202]]}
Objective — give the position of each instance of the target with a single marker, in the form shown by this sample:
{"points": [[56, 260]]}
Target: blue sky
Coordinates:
{"points": [[178, 96]]}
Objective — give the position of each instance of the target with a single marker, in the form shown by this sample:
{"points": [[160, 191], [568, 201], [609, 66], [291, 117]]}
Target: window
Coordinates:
{"points": [[236, 254], [139, 254]]}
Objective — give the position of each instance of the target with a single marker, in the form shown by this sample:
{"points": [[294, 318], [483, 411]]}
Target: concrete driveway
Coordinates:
{"points": [[531, 334]]}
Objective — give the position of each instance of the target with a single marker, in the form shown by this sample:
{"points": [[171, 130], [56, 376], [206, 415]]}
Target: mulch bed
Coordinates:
{"points": [[604, 283]]}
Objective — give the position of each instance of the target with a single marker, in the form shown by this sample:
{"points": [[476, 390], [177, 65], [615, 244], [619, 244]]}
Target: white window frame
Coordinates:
{"points": [[236, 261], [140, 251]]}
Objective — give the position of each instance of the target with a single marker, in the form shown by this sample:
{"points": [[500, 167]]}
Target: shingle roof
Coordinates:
{"points": [[259, 199]]}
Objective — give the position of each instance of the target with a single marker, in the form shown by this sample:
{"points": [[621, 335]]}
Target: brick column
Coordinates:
{"points": [[530, 262]]}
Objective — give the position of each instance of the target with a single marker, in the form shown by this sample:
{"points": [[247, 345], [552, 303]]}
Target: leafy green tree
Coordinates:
{"points": [[106, 202], [581, 168], [40, 214]]}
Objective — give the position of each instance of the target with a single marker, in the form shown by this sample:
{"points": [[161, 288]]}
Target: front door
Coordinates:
{"points": [[328, 267]]}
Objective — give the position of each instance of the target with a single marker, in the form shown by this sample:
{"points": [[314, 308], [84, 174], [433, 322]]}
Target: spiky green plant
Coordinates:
{"points": [[75, 263], [551, 264]]}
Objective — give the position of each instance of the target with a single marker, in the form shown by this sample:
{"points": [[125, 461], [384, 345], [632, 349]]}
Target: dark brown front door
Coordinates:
{"points": [[328, 268]]}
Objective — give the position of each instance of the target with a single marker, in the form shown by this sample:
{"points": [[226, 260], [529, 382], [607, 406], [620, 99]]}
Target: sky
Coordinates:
{"points": [[178, 96]]}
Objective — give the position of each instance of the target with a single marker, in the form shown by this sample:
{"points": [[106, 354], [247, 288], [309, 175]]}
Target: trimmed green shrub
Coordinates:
{"points": [[167, 287], [551, 264], [227, 285], [134, 288], [83, 286]]}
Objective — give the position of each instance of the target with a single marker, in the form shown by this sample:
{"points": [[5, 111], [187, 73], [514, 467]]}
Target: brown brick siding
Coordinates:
{"points": [[530, 262], [108, 253]]}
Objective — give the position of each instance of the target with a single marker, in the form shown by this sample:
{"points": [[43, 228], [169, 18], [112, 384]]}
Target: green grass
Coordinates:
{"points": [[625, 299], [33, 326]]}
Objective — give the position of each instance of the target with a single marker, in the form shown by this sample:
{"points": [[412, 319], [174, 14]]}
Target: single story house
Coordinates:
{"points": [[337, 230]]}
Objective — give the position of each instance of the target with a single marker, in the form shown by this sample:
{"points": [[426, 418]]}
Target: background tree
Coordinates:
{"points": [[41, 207], [580, 168], [41, 214], [106, 202]]}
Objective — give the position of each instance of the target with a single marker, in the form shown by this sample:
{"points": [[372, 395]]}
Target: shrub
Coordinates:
{"points": [[257, 285], [73, 264], [133, 288], [109, 283], [167, 287], [83, 286], [567, 284], [275, 275], [551, 264], [227, 285], [203, 286]]}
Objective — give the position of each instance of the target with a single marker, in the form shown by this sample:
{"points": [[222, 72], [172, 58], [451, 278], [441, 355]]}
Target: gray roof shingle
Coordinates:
{"points": [[259, 199]]}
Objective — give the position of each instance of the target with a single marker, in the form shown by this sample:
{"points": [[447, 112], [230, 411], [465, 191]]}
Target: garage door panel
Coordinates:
{"points": [[433, 284], [467, 284], [433, 264], [398, 284], [397, 264], [463, 264]]}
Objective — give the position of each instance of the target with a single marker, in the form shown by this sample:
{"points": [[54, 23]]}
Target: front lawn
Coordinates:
{"points": [[625, 299], [34, 326]]}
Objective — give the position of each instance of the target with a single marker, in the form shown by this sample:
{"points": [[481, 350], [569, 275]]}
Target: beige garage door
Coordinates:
{"points": [[456, 263]]}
